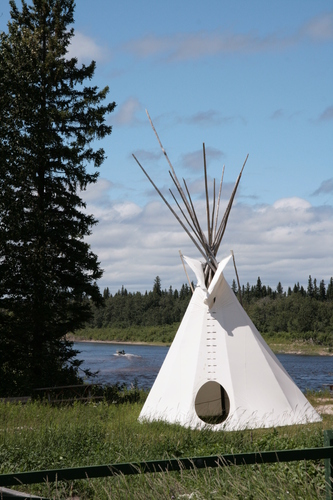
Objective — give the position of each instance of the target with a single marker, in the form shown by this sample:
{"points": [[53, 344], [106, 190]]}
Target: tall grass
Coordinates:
{"points": [[38, 436]]}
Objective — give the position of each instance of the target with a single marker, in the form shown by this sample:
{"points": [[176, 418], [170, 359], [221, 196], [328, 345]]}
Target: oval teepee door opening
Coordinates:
{"points": [[212, 403]]}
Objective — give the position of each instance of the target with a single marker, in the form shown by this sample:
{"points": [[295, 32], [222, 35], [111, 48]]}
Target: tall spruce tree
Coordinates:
{"points": [[49, 120]]}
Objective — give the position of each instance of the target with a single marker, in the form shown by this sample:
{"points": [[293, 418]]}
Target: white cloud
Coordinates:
{"points": [[85, 49], [126, 114], [291, 204], [193, 46], [320, 28], [127, 210], [97, 191], [284, 242]]}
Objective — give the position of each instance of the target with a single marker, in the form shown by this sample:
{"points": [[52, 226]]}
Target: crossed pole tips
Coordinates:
{"points": [[208, 245]]}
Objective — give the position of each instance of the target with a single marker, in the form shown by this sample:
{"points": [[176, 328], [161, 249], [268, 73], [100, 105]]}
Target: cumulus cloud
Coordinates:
{"points": [[293, 204], [285, 242], [98, 191], [127, 112], [85, 49], [126, 210]]}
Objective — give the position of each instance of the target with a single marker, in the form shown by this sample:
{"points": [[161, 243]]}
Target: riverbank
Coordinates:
{"points": [[299, 348], [278, 344], [73, 338], [319, 351]]}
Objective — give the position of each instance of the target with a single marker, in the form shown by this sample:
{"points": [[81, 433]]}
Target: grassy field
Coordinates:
{"points": [[38, 436]]}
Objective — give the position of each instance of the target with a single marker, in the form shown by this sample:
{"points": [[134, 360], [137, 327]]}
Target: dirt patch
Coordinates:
{"points": [[300, 349], [325, 409]]}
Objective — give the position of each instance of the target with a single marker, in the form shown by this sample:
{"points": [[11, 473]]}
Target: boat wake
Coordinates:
{"points": [[126, 355]]}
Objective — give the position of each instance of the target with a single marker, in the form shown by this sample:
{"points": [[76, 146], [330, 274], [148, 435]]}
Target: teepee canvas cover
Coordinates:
{"points": [[219, 372]]}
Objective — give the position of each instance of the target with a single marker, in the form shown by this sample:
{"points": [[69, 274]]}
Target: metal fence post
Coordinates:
{"points": [[328, 441]]}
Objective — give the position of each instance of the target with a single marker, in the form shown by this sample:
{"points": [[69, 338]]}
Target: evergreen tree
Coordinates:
{"points": [[322, 290], [49, 120], [157, 286], [310, 287], [258, 289], [315, 289], [329, 293], [247, 293]]}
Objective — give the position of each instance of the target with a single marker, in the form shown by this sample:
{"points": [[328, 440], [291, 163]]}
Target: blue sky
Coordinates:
{"points": [[242, 77]]}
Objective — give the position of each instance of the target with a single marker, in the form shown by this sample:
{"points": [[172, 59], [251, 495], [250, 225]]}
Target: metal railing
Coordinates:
{"points": [[264, 457]]}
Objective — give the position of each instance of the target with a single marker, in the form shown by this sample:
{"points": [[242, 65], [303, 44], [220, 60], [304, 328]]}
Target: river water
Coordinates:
{"points": [[142, 363]]}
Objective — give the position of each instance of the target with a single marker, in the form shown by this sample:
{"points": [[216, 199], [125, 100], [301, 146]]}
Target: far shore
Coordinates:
{"points": [[123, 342], [299, 349]]}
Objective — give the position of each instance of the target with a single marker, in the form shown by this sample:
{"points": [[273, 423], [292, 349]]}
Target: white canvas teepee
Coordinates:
{"points": [[219, 372]]}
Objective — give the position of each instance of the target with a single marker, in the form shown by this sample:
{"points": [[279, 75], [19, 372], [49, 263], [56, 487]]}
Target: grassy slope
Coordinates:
{"points": [[37, 436]]}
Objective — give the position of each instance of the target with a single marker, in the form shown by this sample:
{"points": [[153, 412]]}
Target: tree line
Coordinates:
{"points": [[154, 308], [303, 312], [313, 290]]}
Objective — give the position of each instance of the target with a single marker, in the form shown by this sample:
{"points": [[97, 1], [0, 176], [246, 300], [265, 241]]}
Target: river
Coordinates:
{"points": [[142, 363]]}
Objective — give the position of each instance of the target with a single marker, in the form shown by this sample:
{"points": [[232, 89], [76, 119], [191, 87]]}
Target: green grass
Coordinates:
{"points": [[286, 343], [38, 436], [163, 335]]}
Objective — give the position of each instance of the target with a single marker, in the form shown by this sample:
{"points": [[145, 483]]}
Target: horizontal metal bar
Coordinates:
{"points": [[166, 465]]}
